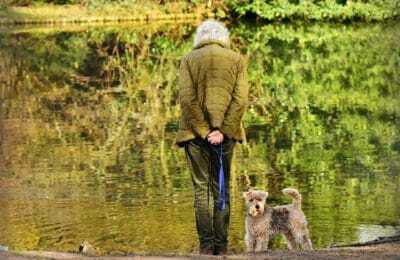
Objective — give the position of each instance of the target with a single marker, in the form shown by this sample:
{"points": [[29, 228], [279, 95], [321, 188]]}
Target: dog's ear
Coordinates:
{"points": [[247, 194], [265, 195]]}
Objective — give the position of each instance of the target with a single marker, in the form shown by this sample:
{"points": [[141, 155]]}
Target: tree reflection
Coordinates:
{"points": [[89, 118]]}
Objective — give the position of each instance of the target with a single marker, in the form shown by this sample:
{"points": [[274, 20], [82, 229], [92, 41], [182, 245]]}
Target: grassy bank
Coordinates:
{"points": [[49, 14]]}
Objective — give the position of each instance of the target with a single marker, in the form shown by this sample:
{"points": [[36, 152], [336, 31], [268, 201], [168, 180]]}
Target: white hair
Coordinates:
{"points": [[211, 30]]}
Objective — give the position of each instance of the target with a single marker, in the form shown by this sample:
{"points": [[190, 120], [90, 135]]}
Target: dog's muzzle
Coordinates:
{"points": [[255, 210]]}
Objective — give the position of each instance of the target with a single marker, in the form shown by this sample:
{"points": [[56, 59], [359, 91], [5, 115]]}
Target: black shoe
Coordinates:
{"points": [[206, 250], [219, 251]]}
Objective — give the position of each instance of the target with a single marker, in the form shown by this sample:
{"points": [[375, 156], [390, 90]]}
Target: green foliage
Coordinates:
{"points": [[272, 10], [220, 13], [324, 10]]}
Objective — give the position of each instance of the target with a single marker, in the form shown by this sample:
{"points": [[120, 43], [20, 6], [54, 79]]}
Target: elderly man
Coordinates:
{"points": [[213, 93]]}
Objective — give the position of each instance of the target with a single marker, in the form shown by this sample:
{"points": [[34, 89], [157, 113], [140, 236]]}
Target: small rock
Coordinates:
{"points": [[86, 248], [3, 248]]}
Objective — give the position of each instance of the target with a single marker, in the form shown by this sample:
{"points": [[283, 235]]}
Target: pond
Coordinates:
{"points": [[88, 117]]}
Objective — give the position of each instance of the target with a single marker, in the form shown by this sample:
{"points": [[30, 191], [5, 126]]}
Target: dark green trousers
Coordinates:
{"points": [[212, 225]]}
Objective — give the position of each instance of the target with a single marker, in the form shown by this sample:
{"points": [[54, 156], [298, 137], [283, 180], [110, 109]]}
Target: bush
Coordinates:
{"points": [[317, 10]]}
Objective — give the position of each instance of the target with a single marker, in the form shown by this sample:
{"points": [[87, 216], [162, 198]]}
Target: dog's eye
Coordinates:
{"points": [[251, 200]]}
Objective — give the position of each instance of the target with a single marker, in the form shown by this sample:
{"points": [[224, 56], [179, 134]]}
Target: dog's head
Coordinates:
{"points": [[255, 202]]}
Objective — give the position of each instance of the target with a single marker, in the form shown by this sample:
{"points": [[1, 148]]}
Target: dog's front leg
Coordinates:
{"points": [[250, 242], [262, 243]]}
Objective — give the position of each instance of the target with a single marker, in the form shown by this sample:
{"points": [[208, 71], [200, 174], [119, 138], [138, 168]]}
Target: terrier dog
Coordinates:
{"points": [[264, 222]]}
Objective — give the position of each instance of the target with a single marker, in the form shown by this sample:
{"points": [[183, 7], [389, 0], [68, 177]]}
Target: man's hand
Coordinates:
{"points": [[215, 137]]}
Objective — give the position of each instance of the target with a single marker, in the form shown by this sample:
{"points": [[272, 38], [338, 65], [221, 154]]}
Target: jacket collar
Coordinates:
{"points": [[207, 42]]}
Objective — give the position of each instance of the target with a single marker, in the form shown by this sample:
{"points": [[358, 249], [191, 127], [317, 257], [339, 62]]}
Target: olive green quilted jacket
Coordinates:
{"points": [[213, 92]]}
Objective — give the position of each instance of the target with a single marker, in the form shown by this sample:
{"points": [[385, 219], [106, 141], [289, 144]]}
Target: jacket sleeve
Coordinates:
{"points": [[234, 114], [191, 109]]}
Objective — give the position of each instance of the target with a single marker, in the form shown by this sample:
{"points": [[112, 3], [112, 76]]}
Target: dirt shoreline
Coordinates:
{"points": [[380, 251]]}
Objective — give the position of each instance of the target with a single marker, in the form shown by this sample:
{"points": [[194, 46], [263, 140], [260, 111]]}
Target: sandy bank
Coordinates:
{"points": [[381, 251]]}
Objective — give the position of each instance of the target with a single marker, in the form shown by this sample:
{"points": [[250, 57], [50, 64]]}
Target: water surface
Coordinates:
{"points": [[88, 118]]}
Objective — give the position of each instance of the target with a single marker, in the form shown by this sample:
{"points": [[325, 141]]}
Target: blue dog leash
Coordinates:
{"points": [[221, 201]]}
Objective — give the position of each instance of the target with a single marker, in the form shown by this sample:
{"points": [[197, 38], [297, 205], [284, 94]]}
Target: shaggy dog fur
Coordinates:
{"points": [[263, 221]]}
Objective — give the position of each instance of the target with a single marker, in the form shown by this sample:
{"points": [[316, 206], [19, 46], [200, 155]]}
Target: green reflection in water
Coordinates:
{"points": [[88, 120]]}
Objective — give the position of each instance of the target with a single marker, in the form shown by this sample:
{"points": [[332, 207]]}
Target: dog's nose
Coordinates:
{"points": [[257, 206]]}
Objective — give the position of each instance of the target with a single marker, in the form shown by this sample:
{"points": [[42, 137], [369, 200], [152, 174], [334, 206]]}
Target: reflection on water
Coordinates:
{"points": [[88, 120], [368, 232]]}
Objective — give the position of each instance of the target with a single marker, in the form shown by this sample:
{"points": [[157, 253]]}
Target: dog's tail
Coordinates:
{"points": [[295, 194]]}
